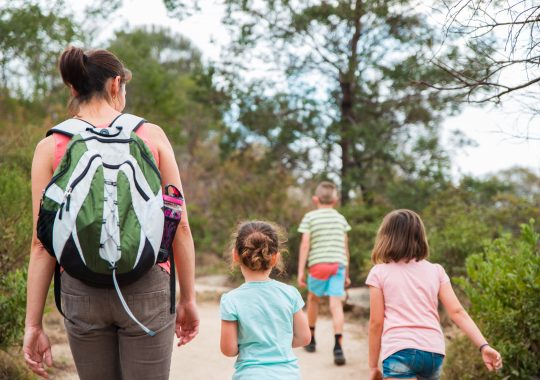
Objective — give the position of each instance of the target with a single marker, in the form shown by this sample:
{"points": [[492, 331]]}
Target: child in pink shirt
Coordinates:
{"points": [[404, 326]]}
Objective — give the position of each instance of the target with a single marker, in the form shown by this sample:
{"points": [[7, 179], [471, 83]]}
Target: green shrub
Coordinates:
{"points": [[503, 287], [15, 217], [464, 362], [12, 307], [12, 367], [365, 221]]}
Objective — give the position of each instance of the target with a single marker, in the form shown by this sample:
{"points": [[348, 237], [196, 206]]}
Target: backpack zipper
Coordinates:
{"points": [[137, 186], [68, 159], [67, 196]]}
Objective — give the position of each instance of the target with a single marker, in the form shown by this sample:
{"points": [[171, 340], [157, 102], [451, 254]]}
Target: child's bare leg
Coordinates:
{"points": [[312, 309], [336, 309]]}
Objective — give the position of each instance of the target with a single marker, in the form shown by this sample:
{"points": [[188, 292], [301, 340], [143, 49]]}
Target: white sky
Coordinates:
{"points": [[492, 128]]}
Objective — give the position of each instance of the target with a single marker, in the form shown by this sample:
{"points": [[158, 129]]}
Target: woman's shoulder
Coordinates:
{"points": [[153, 131], [45, 148], [46, 143]]}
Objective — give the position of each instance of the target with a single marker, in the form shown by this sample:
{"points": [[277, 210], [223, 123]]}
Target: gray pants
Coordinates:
{"points": [[106, 344]]}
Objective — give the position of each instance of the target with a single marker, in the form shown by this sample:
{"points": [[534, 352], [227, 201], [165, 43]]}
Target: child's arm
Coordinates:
{"points": [[347, 276], [302, 258], [301, 333], [492, 359], [229, 338], [376, 323]]}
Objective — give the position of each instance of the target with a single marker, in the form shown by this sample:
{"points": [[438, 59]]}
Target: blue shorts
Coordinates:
{"points": [[334, 286], [411, 363]]}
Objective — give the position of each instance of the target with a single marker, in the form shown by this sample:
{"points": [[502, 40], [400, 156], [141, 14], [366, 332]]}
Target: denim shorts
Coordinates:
{"points": [[412, 363]]}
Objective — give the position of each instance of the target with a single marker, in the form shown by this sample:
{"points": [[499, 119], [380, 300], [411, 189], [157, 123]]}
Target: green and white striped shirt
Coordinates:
{"points": [[327, 229]]}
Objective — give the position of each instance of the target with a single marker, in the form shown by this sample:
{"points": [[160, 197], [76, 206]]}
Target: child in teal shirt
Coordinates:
{"points": [[262, 320]]}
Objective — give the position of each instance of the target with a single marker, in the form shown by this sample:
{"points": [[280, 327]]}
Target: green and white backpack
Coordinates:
{"points": [[101, 214]]}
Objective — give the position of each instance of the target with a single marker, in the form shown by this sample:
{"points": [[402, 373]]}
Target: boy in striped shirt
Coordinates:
{"points": [[325, 249]]}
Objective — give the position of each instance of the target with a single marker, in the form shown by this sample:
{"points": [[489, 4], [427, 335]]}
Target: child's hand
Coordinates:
{"points": [[347, 282], [300, 280], [375, 374], [492, 359]]}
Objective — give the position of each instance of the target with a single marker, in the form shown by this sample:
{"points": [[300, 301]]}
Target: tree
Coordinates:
{"points": [[170, 85], [347, 85], [507, 36], [32, 34]]}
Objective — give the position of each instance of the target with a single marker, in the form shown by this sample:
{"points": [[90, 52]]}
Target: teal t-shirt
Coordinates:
{"points": [[264, 311]]}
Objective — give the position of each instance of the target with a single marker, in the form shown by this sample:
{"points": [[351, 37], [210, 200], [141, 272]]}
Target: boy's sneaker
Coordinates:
{"points": [[311, 347], [339, 357]]}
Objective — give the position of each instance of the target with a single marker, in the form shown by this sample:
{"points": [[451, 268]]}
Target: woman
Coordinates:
{"points": [[104, 341]]}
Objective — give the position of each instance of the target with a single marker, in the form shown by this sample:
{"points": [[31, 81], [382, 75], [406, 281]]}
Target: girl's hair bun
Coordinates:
{"points": [[257, 243]]}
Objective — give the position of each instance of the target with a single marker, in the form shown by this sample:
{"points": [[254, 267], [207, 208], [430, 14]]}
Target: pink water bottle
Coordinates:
{"points": [[172, 210]]}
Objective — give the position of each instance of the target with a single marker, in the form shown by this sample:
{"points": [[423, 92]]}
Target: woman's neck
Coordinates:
{"points": [[97, 111]]}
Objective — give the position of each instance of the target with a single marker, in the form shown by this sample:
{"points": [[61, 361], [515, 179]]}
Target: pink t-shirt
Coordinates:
{"points": [[411, 319]]}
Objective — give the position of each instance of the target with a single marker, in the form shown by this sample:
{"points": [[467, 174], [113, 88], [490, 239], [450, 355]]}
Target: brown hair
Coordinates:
{"points": [[87, 73], [401, 236], [326, 191], [257, 242]]}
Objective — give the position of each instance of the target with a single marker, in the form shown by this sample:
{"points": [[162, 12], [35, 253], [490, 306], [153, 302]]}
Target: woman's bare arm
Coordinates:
{"points": [[36, 346], [183, 247]]}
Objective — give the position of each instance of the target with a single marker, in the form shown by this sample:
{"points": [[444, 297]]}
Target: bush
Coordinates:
{"points": [[15, 218], [463, 362], [12, 307], [365, 221], [503, 286], [13, 367]]}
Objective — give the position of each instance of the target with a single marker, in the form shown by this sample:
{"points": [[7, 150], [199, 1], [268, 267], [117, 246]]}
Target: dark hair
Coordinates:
{"points": [[401, 236], [88, 73], [326, 191], [257, 243]]}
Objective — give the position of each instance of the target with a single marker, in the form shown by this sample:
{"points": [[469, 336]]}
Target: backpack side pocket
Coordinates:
{"points": [[44, 229]]}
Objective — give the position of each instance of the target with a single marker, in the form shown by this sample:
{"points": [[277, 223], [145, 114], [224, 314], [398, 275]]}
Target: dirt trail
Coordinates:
{"points": [[202, 359]]}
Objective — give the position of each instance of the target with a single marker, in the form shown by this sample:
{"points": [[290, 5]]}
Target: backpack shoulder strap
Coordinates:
{"points": [[70, 127], [128, 122]]}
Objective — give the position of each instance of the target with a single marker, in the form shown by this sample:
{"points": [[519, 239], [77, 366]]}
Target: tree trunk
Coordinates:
{"points": [[346, 118], [347, 82]]}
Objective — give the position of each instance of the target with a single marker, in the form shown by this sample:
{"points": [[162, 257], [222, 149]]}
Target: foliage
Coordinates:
{"points": [[503, 285], [365, 116], [248, 187], [511, 30], [15, 218], [12, 366], [12, 306], [170, 86], [365, 221], [463, 362], [460, 220], [32, 33]]}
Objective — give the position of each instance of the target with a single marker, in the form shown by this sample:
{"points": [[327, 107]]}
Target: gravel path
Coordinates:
{"points": [[202, 359]]}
